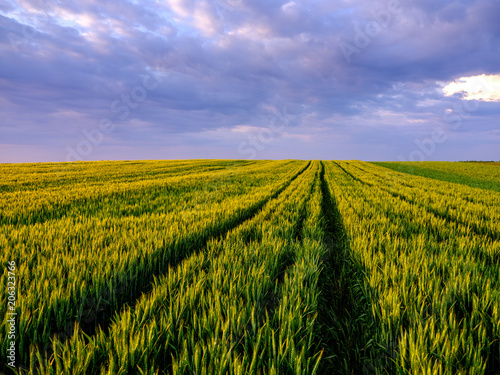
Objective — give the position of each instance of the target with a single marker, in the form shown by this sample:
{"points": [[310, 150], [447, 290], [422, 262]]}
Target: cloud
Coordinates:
{"points": [[224, 63], [483, 87]]}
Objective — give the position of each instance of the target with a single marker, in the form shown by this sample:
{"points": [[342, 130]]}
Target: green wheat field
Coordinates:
{"points": [[250, 267]]}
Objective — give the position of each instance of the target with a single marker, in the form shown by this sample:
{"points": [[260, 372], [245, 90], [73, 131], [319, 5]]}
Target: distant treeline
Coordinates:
{"points": [[479, 161]]}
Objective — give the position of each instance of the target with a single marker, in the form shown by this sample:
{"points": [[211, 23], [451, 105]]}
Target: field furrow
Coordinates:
{"points": [[345, 312]]}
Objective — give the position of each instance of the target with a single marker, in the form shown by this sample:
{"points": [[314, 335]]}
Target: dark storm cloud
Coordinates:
{"points": [[351, 69]]}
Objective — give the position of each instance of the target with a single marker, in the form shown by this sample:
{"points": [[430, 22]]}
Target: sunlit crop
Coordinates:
{"points": [[239, 267]]}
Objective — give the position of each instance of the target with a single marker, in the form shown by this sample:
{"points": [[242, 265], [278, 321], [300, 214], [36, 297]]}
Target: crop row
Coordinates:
{"points": [[244, 304], [479, 175], [83, 268], [432, 276]]}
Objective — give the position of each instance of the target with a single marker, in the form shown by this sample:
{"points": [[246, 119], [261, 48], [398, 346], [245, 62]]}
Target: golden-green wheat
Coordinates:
{"points": [[249, 267]]}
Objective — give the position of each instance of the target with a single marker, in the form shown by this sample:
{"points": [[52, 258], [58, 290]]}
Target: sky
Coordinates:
{"points": [[239, 79]]}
